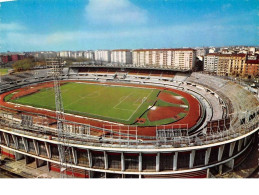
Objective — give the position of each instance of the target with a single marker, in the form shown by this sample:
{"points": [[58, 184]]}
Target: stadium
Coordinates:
{"points": [[129, 122]]}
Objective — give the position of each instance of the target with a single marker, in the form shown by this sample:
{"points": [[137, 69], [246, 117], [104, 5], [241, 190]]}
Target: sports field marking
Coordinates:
{"points": [[99, 95], [87, 96], [123, 101], [109, 117], [117, 103], [136, 102], [124, 109], [112, 85], [140, 104]]}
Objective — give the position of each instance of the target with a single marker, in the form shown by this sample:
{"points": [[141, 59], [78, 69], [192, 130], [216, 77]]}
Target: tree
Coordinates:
{"points": [[24, 64]]}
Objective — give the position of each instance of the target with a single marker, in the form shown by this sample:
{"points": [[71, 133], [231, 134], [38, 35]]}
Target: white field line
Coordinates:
{"points": [[140, 104], [123, 101], [116, 85], [108, 117], [124, 109], [120, 118], [77, 116], [97, 114], [87, 96], [136, 102]]}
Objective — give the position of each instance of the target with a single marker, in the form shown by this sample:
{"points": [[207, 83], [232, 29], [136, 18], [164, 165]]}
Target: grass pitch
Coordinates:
{"points": [[3, 71], [107, 102]]}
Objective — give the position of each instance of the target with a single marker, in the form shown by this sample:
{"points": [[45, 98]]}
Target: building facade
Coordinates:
{"points": [[121, 56], [65, 54], [252, 66], [222, 66], [183, 59], [77, 54], [11, 58], [89, 54], [102, 55], [237, 65], [211, 62]]}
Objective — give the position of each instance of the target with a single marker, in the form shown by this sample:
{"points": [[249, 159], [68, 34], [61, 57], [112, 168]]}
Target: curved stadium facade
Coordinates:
{"points": [[213, 131]]}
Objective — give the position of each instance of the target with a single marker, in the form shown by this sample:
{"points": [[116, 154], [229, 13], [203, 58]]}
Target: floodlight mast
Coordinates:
{"points": [[63, 148]]}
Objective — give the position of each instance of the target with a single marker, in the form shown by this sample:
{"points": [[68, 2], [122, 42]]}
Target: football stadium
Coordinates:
{"points": [[128, 122]]}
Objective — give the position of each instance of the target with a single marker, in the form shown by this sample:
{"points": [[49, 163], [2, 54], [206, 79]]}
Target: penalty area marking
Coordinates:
{"points": [[125, 97], [141, 104]]}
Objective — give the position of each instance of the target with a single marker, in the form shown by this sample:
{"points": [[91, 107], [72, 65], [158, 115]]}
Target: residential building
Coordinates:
{"points": [[222, 66], [237, 65], [102, 55], [121, 56], [12, 57], [252, 66], [211, 62], [65, 54], [180, 59], [89, 54]]}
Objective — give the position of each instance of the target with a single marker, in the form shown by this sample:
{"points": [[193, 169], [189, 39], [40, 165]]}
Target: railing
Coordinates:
{"points": [[111, 65], [127, 140], [119, 139]]}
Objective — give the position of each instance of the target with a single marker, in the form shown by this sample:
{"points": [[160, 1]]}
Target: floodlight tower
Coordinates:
{"points": [[63, 148]]}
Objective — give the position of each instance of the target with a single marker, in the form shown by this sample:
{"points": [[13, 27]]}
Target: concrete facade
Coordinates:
{"points": [[183, 59], [211, 63], [121, 56], [237, 65], [102, 55]]}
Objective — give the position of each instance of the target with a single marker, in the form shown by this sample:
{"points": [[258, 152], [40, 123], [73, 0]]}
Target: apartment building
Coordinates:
{"points": [[180, 59], [102, 55], [77, 54], [237, 65], [222, 65], [121, 56], [65, 54], [211, 62], [11, 57], [252, 66], [89, 54]]}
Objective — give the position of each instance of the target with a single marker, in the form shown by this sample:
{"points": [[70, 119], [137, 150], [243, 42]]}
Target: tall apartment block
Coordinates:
{"points": [[180, 59], [77, 54], [102, 55], [89, 54], [121, 56], [65, 54], [211, 62]]}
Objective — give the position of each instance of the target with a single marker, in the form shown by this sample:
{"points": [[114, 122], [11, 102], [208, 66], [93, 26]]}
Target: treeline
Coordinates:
{"points": [[22, 65], [27, 64]]}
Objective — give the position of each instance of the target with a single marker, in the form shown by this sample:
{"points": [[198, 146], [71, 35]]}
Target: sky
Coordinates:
{"points": [[43, 25]]}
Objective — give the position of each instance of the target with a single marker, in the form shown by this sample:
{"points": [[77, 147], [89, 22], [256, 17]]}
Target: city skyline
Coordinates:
{"points": [[28, 25]]}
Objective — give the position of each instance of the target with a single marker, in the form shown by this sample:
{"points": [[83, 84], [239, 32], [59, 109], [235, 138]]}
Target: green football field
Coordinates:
{"points": [[113, 103]]}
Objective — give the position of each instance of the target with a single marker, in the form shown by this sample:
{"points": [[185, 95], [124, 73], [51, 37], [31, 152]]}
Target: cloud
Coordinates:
{"points": [[2, 1], [11, 27], [115, 12]]}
